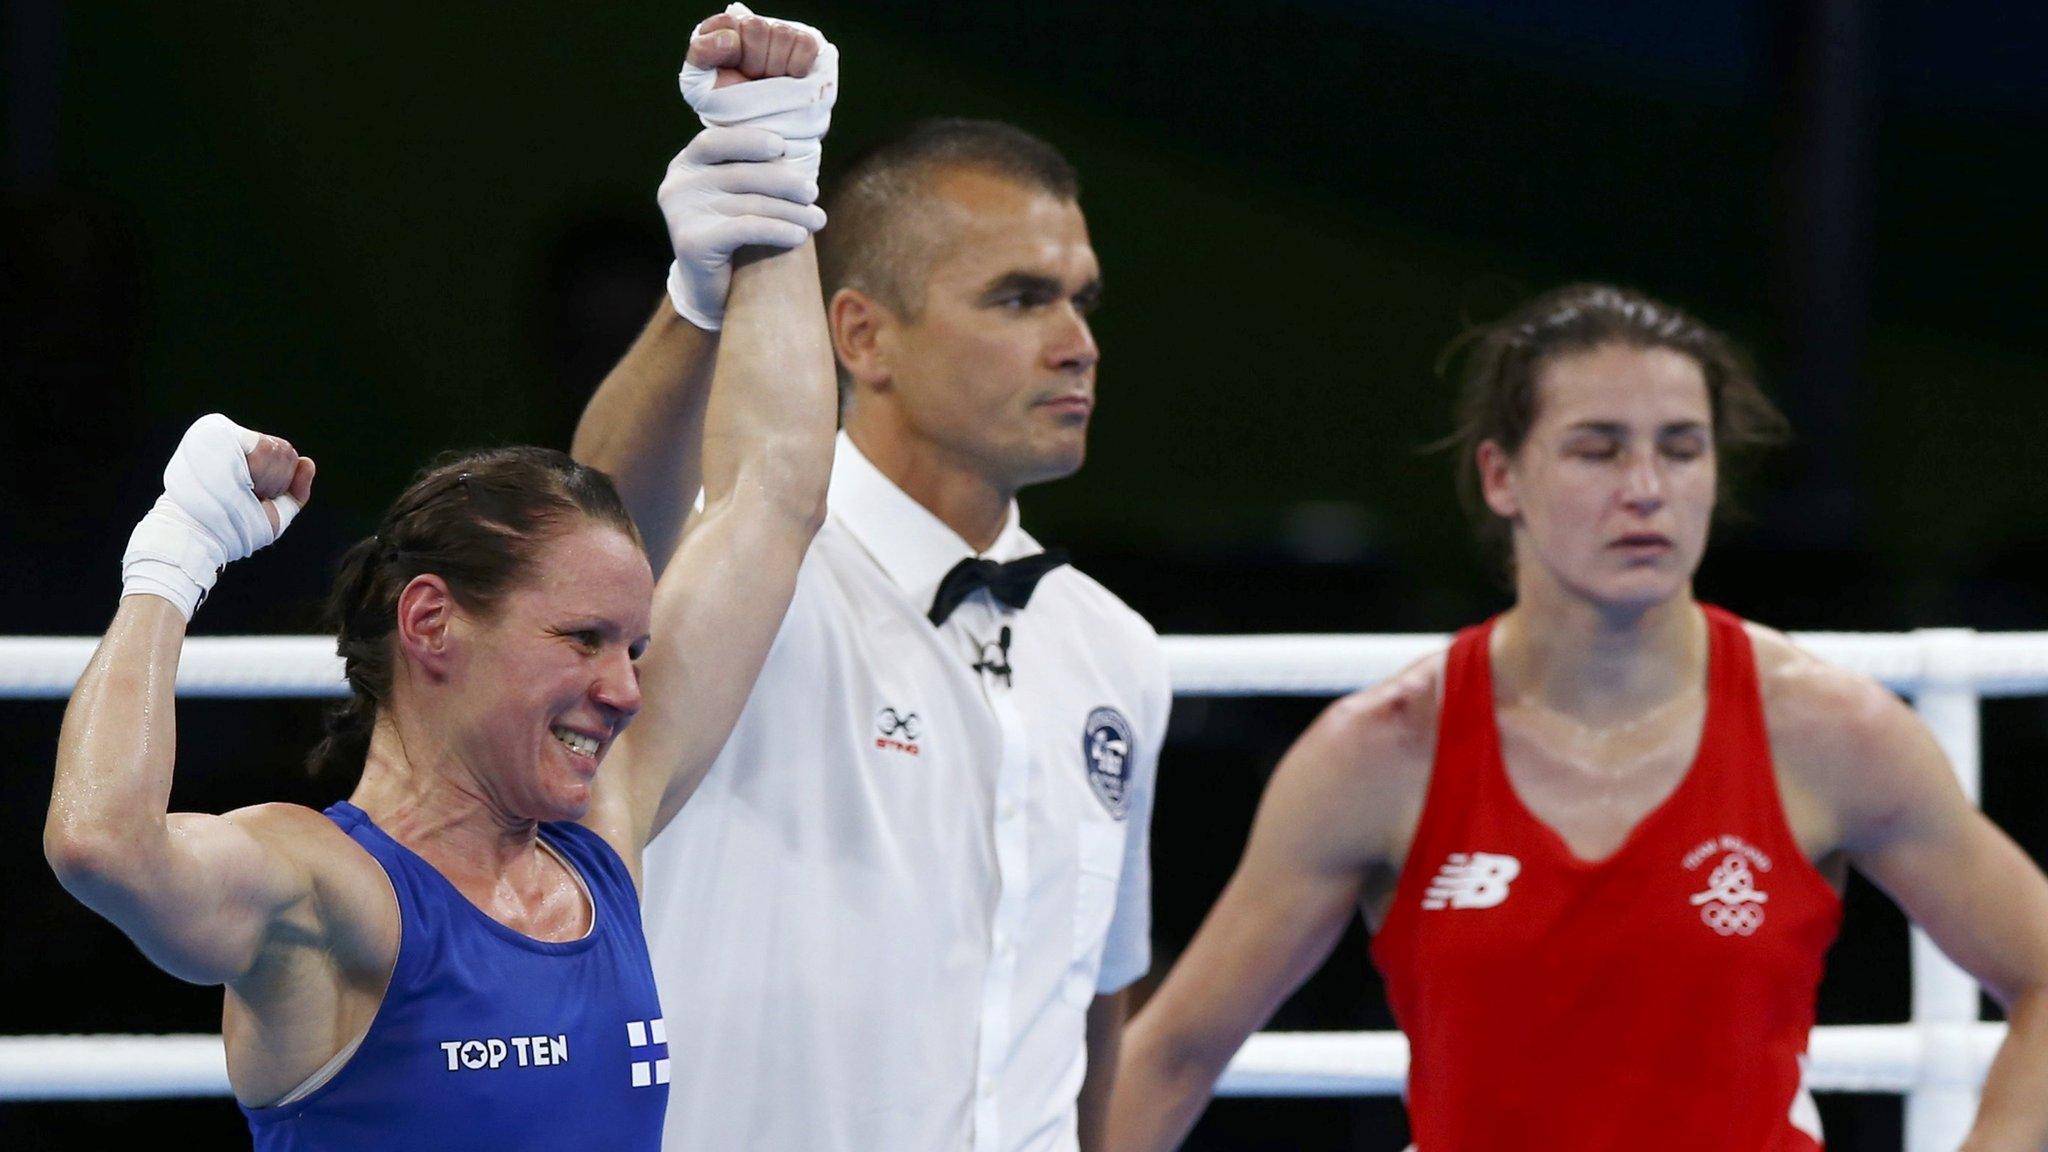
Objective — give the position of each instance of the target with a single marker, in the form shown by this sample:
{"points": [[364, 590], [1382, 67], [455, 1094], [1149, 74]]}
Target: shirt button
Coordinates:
{"points": [[1007, 812], [988, 1088]]}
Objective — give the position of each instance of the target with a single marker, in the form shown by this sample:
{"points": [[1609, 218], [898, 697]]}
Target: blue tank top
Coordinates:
{"points": [[488, 1039]]}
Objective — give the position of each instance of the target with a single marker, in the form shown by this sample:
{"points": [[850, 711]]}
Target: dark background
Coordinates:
{"points": [[385, 231]]}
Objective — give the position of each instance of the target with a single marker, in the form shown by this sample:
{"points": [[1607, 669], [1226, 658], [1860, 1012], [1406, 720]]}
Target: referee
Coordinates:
{"points": [[900, 910]]}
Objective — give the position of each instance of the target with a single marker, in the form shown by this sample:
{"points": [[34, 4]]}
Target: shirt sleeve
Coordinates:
{"points": [[1128, 953]]}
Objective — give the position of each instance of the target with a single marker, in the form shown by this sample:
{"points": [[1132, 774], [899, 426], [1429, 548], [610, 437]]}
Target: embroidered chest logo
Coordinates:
{"points": [[1471, 880], [1732, 904], [1106, 750], [897, 731]]}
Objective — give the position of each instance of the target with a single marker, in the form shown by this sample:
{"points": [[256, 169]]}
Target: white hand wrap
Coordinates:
{"points": [[796, 108], [208, 516], [712, 214]]}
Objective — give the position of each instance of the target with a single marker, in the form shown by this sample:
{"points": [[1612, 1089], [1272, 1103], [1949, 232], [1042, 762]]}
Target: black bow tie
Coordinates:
{"points": [[1011, 583]]}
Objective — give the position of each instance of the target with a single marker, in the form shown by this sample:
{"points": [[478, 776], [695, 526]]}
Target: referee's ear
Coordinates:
{"points": [[861, 337]]}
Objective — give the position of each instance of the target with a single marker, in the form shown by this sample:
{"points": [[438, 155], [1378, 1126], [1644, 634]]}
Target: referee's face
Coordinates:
{"points": [[997, 373]]}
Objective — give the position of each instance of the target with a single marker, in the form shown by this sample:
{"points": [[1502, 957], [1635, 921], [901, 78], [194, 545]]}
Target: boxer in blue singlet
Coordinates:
{"points": [[452, 958]]}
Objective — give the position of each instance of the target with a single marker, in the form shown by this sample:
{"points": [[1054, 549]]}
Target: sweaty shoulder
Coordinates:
{"points": [[351, 906], [1844, 744], [302, 835], [1369, 756]]}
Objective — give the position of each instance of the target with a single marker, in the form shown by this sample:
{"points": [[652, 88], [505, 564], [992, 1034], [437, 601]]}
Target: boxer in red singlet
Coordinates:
{"points": [[1601, 840]]}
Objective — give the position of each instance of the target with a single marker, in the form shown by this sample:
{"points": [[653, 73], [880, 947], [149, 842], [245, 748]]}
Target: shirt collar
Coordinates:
{"points": [[913, 546]]}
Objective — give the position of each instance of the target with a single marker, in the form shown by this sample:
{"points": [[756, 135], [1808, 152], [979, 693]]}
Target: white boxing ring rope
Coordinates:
{"points": [[1936, 1060]]}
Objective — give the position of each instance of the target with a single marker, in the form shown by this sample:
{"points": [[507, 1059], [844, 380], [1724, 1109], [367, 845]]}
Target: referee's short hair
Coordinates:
{"points": [[882, 235]]}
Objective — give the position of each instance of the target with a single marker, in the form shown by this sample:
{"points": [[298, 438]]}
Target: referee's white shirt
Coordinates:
{"points": [[880, 921]]}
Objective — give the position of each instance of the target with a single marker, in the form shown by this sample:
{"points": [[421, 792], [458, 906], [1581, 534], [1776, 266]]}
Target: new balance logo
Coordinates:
{"points": [[647, 1034], [1471, 880]]}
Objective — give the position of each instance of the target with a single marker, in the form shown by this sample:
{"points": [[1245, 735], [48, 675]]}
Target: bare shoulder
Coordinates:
{"points": [[1363, 767], [298, 833], [1822, 712], [1386, 727], [1841, 735], [351, 904]]}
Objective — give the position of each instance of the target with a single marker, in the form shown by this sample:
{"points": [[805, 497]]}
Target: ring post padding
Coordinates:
{"points": [[1942, 1105]]}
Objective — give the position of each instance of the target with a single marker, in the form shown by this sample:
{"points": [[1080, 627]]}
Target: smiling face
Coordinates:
{"points": [[546, 682], [1611, 494], [995, 372]]}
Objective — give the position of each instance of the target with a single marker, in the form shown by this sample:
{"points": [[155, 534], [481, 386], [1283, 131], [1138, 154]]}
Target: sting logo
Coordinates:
{"points": [[898, 731]]}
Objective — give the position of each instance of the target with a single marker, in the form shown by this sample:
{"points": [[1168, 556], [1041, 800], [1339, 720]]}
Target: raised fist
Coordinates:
{"points": [[276, 469], [763, 90], [748, 71], [228, 491], [749, 47]]}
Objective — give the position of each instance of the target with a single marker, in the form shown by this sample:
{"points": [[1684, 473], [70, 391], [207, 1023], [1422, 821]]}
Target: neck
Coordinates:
{"points": [[1596, 662], [950, 487], [423, 795]]}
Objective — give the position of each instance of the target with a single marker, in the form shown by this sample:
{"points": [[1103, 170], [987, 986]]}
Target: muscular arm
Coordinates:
{"points": [[1338, 805], [2009, 1114], [729, 191], [1905, 823], [645, 426], [767, 455], [196, 893], [1979, 897], [737, 199], [1983, 902]]}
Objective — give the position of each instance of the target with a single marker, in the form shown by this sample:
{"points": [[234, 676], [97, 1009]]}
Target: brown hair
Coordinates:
{"points": [[473, 519], [872, 245], [1504, 359]]}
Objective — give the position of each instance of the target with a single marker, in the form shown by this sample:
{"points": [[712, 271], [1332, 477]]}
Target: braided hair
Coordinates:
{"points": [[474, 519]]}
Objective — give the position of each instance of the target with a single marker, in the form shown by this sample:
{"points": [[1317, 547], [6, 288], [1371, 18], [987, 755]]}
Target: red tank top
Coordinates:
{"points": [[1660, 998]]}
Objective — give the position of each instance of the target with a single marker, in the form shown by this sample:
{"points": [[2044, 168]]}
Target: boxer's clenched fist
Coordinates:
{"points": [[228, 491], [764, 91], [749, 47], [276, 470]]}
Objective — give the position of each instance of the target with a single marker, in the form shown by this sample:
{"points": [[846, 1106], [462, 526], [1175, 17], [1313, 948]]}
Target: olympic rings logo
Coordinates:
{"points": [[1732, 919], [1731, 905]]}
